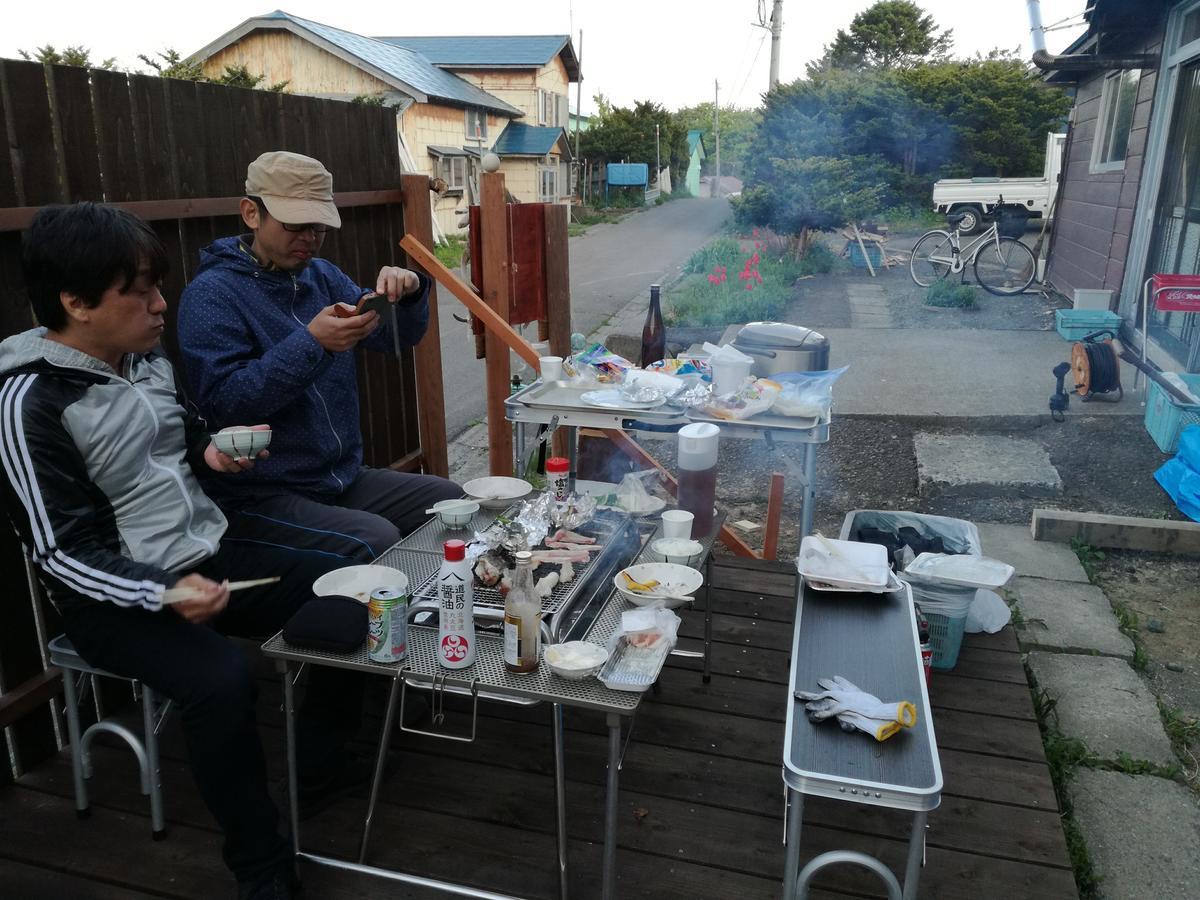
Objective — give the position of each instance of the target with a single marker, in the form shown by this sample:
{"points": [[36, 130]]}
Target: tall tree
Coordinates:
{"points": [[628, 134], [71, 56], [892, 34]]}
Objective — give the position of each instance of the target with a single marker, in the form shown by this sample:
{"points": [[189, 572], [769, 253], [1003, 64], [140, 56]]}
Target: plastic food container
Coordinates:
{"points": [[844, 565], [575, 660]]}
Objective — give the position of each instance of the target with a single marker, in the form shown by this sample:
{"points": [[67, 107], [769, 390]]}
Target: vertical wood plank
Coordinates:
{"points": [[115, 142], [77, 125], [774, 511], [30, 134], [8, 186], [16, 315], [431, 403], [152, 131], [496, 271]]}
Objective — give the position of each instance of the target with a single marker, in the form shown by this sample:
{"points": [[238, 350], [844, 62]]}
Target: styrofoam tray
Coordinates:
{"points": [[963, 571], [844, 565], [894, 584]]}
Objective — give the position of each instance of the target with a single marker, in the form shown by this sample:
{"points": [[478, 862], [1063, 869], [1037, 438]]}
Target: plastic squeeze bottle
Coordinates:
{"points": [[698, 474], [522, 619], [456, 608]]}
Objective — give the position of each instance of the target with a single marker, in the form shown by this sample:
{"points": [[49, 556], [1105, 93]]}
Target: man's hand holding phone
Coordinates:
{"points": [[341, 326]]}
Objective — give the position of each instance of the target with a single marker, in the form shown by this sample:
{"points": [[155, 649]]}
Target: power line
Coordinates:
{"points": [[738, 96]]}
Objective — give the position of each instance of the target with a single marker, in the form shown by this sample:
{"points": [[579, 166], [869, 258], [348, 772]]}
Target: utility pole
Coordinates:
{"points": [[716, 191], [776, 34], [657, 157]]}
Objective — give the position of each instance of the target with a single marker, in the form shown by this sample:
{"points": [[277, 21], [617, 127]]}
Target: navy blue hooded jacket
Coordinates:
{"points": [[249, 358]]}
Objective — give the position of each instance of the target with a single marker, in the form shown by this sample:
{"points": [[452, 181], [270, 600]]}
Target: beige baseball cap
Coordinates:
{"points": [[295, 189]]}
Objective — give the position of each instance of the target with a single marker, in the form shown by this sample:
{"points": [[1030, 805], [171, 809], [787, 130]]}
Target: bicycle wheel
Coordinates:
{"points": [[931, 258], [1005, 269]]}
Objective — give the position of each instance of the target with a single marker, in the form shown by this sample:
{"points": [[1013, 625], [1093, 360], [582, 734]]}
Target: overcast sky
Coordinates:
{"points": [[669, 51]]}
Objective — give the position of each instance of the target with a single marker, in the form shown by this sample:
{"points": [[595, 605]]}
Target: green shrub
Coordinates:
{"points": [[819, 260], [948, 294], [721, 252], [912, 218], [450, 253]]}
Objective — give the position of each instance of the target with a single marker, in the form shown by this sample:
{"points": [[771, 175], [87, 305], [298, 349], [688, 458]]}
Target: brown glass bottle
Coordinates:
{"points": [[522, 619], [654, 333]]}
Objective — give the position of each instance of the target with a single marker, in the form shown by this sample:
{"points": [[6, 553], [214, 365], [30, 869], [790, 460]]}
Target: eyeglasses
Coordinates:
{"points": [[316, 227]]}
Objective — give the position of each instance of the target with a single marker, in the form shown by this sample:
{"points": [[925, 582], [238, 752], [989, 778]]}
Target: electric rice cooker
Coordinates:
{"points": [[779, 347]]}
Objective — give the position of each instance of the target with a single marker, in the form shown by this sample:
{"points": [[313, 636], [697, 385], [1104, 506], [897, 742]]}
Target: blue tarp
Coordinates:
{"points": [[1180, 475]]}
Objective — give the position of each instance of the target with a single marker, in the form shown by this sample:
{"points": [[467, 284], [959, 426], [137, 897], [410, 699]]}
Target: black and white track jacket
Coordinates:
{"points": [[98, 467]]}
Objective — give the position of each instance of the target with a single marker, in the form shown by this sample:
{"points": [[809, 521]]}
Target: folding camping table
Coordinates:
{"points": [[870, 639]]}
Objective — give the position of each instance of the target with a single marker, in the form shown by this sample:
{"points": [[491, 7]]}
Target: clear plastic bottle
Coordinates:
{"points": [[522, 619], [456, 608]]}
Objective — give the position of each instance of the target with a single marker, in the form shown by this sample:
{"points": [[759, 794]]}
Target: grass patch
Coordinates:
{"points": [[722, 252], [1088, 557], [721, 297], [450, 252], [912, 218], [946, 294], [1184, 733], [820, 260], [575, 229]]}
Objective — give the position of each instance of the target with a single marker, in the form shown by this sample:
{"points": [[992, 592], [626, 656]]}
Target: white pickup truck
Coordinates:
{"points": [[978, 197]]}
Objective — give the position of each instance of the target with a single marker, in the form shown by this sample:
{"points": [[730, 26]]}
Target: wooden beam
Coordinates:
{"points": [[634, 450], [497, 266], [411, 462], [431, 394], [17, 217], [1116, 532], [29, 695], [460, 289], [774, 510]]}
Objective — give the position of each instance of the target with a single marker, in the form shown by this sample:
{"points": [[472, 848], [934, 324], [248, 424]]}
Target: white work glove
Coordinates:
{"points": [[877, 728], [842, 696]]}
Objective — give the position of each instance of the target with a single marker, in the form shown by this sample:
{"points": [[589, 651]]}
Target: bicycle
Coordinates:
{"points": [[1003, 265]]}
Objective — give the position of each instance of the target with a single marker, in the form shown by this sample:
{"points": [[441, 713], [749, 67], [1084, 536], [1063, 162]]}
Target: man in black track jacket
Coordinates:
{"points": [[100, 453]]}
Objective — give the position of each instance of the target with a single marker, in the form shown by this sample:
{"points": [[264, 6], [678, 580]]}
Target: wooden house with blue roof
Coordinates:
{"points": [[455, 97], [696, 156]]}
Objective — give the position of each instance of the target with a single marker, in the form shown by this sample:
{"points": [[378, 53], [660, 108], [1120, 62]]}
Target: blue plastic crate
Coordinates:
{"points": [[1166, 417], [945, 638], [874, 254], [1076, 324]]}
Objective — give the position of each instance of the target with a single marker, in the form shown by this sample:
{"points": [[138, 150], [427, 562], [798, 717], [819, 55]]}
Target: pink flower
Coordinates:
{"points": [[758, 277], [754, 259], [754, 232], [749, 286]]}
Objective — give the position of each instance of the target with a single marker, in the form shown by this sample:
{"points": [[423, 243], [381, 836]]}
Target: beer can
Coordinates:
{"points": [[387, 624]]}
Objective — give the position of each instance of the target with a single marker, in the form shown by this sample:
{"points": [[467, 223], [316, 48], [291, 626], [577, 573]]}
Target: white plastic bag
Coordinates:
{"points": [[988, 613], [806, 394]]}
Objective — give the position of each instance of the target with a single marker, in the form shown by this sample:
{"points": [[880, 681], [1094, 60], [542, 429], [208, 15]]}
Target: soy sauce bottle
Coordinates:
{"points": [[654, 333]]}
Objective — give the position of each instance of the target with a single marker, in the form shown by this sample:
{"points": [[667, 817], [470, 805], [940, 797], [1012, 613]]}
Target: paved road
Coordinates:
{"points": [[610, 265]]}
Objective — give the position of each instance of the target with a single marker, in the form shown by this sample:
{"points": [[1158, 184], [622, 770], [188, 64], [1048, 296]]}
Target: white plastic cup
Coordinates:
{"points": [[551, 367], [677, 523], [728, 375]]}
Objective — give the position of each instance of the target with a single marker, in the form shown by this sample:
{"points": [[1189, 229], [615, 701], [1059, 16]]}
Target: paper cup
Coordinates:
{"points": [[677, 523], [728, 375], [551, 367]]}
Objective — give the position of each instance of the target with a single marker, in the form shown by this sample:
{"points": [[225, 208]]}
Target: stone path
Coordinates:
{"points": [[1141, 830], [868, 306]]}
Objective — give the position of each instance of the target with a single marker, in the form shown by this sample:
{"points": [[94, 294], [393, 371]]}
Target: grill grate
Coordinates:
{"points": [[430, 536]]}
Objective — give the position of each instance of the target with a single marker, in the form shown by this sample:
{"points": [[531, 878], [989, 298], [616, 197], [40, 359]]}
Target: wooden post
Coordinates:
{"points": [[774, 510], [493, 242], [558, 294], [431, 401]]}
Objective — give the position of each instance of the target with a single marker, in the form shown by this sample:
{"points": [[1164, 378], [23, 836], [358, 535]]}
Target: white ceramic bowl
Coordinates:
{"points": [[575, 659], [497, 491], [242, 442], [681, 551], [685, 581], [359, 581], [455, 513]]}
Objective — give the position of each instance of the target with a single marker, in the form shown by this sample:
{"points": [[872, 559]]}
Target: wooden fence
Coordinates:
{"points": [[175, 152]]}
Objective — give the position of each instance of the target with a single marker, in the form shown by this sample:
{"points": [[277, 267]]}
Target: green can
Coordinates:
{"points": [[387, 624]]}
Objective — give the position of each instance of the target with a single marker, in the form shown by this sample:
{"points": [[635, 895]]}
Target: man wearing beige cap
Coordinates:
{"points": [[267, 330]]}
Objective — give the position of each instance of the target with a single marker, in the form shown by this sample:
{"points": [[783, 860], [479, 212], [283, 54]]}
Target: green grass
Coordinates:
{"points": [[450, 253], [1088, 557], [575, 229], [696, 302], [948, 294]]}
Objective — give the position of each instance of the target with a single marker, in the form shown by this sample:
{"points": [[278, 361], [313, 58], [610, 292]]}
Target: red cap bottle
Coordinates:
{"points": [[454, 550]]}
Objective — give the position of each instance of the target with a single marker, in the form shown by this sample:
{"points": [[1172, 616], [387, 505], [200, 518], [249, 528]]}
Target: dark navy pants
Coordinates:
{"points": [[212, 681]]}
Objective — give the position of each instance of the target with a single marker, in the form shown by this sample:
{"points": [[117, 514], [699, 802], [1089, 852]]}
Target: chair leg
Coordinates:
{"points": [[82, 810], [153, 769]]}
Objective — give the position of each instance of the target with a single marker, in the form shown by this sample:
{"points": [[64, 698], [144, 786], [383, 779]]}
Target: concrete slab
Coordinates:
{"points": [[983, 465], [1141, 833], [1102, 702], [1014, 544], [958, 372], [1066, 615]]}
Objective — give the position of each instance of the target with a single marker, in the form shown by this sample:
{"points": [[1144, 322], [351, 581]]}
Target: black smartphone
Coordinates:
{"points": [[377, 302]]}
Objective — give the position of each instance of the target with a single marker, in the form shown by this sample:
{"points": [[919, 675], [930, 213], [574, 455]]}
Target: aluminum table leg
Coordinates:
{"points": [[289, 722], [810, 489], [916, 855], [385, 741], [608, 871], [791, 839], [560, 798]]}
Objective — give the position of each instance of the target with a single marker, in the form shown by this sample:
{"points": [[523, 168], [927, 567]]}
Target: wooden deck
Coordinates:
{"points": [[701, 801]]}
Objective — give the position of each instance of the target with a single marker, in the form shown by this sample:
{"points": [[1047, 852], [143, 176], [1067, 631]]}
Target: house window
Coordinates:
{"points": [[548, 178], [549, 105], [1117, 100], [476, 125], [454, 170], [1191, 27]]}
